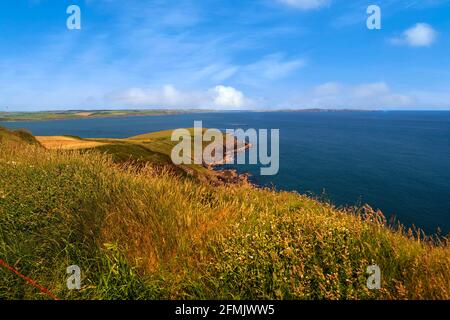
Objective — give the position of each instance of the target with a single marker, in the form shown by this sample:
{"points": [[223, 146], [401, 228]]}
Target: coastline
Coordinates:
{"points": [[89, 114], [31, 116], [232, 176], [340, 182]]}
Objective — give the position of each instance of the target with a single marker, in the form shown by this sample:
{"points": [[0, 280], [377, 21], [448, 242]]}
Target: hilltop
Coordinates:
{"points": [[137, 151], [17, 137], [147, 232]]}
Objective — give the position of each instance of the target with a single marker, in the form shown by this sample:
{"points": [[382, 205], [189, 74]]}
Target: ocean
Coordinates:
{"points": [[395, 161]]}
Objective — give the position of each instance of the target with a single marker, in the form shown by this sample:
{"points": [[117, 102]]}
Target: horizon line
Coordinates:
{"points": [[223, 110]]}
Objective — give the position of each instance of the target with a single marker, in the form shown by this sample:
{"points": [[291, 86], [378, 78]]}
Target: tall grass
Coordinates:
{"points": [[150, 234]]}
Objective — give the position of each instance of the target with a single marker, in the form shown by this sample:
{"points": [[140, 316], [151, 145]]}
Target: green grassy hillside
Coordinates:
{"points": [[154, 148], [147, 233], [83, 114], [17, 137]]}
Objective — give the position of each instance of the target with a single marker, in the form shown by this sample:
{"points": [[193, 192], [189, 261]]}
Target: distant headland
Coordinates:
{"points": [[106, 113], [87, 114]]}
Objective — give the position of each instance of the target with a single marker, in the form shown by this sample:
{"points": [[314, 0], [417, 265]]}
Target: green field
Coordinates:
{"points": [[84, 114], [154, 148], [139, 230]]}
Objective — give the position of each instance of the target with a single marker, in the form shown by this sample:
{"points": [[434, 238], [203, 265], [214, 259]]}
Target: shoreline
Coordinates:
{"points": [[6, 116], [232, 176], [73, 115]]}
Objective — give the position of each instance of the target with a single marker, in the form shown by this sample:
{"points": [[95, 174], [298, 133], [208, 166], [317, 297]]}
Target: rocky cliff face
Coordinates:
{"points": [[230, 176]]}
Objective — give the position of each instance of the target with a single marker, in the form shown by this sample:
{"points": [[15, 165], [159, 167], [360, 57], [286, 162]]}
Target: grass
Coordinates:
{"points": [[63, 142], [84, 114], [154, 148], [17, 137], [147, 233]]}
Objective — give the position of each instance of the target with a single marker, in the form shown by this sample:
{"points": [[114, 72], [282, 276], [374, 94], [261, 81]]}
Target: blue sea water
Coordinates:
{"points": [[397, 161]]}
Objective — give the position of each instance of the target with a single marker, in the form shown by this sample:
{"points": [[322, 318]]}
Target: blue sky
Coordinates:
{"points": [[234, 54]]}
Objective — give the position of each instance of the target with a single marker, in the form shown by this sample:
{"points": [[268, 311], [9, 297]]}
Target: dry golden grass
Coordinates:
{"points": [[84, 114], [66, 143], [145, 233]]}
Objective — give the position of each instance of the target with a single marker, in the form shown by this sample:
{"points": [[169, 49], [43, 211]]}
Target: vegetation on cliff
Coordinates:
{"points": [[147, 232]]}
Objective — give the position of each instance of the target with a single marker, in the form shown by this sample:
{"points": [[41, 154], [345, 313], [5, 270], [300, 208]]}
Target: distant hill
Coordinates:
{"points": [[86, 114], [17, 136], [137, 151]]}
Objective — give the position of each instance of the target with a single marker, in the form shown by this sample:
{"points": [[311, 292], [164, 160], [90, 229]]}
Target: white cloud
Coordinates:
{"points": [[270, 68], [216, 72], [365, 95], [219, 97], [420, 35], [329, 88], [274, 68], [306, 4], [228, 97], [370, 90], [267, 69], [167, 96]]}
